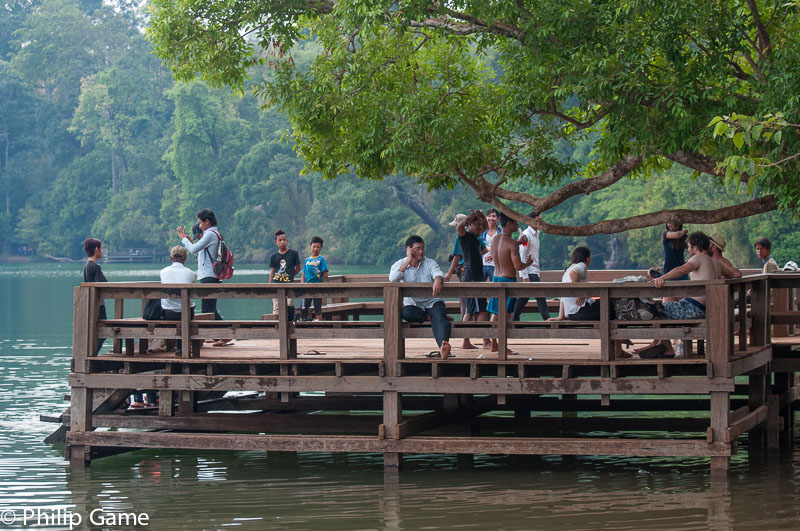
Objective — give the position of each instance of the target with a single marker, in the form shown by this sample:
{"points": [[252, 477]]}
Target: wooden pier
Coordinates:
{"points": [[342, 385]]}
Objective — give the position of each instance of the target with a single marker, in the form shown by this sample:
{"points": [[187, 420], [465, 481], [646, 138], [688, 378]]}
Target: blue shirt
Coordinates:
{"points": [[313, 267], [205, 263]]}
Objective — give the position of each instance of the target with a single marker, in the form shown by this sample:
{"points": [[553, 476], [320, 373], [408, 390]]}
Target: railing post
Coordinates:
{"points": [[502, 324], [288, 346], [119, 313], [742, 316], [186, 319], [606, 352], [94, 315], [759, 313], [719, 321]]}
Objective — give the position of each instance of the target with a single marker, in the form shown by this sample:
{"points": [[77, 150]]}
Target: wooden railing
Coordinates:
{"points": [[717, 329]]}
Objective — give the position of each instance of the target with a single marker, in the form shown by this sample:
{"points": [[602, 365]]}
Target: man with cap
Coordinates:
{"points": [[177, 273]]}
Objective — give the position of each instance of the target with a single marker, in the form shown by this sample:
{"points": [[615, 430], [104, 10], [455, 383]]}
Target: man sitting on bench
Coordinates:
{"points": [[416, 268], [177, 273], [700, 266]]}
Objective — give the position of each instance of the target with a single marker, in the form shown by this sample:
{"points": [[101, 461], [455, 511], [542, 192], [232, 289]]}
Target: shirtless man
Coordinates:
{"points": [[700, 266], [505, 255], [717, 248]]}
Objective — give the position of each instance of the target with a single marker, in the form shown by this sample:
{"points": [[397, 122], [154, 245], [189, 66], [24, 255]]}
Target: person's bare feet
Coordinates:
{"points": [[445, 350], [468, 346]]}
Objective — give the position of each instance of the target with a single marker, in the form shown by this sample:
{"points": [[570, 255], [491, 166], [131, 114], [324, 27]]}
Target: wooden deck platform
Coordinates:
{"points": [[368, 386]]}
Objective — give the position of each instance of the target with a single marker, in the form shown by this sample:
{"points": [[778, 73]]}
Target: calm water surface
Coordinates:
{"points": [[254, 490]]}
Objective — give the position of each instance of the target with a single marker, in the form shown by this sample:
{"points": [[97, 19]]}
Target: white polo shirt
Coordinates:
{"points": [[177, 273]]}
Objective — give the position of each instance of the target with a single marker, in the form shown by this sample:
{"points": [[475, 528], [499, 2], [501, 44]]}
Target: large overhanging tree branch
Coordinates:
{"points": [[482, 93]]}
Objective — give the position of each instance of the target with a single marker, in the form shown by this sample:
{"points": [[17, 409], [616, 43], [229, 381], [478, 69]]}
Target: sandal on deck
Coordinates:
{"points": [[437, 354], [222, 343], [313, 352]]}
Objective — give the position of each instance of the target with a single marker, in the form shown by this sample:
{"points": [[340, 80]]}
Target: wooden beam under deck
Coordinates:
{"points": [[416, 444]]}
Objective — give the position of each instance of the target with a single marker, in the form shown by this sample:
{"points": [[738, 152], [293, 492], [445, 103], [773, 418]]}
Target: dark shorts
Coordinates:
{"points": [[510, 302], [475, 305]]}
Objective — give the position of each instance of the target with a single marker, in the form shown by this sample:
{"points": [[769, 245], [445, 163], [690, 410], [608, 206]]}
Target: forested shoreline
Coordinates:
{"points": [[97, 139]]}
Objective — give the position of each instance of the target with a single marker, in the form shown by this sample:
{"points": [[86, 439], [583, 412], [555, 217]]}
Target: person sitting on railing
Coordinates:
{"points": [[700, 266], [583, 308], [177, 273], [415, 267]]}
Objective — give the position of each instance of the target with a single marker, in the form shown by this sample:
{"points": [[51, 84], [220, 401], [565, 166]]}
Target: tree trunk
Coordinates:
{"points": [[113, 169], [615, 253], [418, 207], [5, 170]]}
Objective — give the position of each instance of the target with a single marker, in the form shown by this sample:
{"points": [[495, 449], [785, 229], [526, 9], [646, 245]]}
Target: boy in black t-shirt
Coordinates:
{"points": [[284, 263], [92, 272]]}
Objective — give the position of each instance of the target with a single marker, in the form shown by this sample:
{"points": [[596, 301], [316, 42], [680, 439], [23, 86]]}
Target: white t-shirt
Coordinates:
{"points": [[487, 239], [530, 251], [570, 304]]}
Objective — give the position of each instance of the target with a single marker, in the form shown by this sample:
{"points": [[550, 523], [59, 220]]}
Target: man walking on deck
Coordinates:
{"points": [[415, 267], [505, 255]]}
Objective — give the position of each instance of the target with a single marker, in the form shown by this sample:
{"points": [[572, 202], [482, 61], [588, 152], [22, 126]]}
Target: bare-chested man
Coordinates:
{"points": [[700, 266], [505, 255], [716, 249]]}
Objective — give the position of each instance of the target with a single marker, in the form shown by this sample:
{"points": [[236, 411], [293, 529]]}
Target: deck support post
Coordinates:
{"points": [[757, 397], [393, 350], [84, 343], [287, 345], [719, 314]]}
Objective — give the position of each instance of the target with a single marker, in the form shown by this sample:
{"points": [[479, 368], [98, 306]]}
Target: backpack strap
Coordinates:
{"points": [[220, 240]]}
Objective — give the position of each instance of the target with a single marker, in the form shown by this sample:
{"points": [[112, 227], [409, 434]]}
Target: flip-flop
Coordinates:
{"points": [[223, 343], [437, 354], [313, 352]]}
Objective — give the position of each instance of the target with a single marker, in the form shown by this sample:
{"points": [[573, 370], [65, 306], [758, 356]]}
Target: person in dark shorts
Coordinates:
{"points": [[472, 247]]}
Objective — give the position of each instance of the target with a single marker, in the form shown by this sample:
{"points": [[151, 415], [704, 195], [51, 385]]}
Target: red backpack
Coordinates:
{"points": [[223, 263]]}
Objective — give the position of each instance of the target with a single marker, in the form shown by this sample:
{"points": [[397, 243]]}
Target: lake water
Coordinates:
{"points": [[254, 490]]}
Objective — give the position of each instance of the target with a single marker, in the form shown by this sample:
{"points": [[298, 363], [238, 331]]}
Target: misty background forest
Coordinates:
{"points": [[97, 139]]}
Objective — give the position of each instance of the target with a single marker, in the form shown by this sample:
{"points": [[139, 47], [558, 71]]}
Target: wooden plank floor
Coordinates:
{"points": [[336, 348]]}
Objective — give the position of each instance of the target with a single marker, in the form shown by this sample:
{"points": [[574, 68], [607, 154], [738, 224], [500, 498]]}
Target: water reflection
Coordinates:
{"points": [[255, 490]]}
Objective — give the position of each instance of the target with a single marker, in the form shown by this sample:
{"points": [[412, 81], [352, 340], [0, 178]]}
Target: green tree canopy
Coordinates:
{"points": [[482, 93]]}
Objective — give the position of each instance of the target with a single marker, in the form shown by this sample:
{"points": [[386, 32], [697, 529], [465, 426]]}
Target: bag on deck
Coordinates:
{"points": [[152, 310], [637, 309], [223, 263]]}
